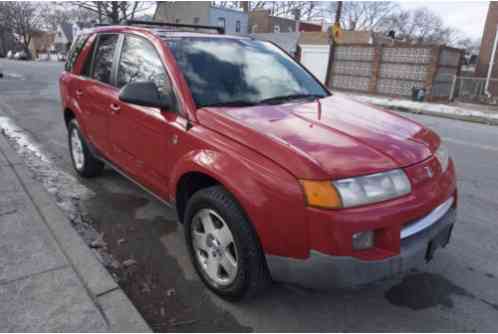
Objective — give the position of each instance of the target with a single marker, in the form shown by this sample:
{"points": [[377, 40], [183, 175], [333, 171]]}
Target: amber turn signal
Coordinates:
{"points": [[321, 194]]}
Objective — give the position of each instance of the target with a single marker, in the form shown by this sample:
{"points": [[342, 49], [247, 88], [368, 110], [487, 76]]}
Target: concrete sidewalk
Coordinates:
{"points": [[50, 281]]}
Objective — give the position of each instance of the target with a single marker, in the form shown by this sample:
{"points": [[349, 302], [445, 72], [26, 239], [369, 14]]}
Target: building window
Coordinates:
{"points": [[221, 22], [237, 26], [276, 28], [196, 20]]}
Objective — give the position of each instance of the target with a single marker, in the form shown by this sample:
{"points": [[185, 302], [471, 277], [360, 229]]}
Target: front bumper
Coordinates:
{"points": [[322, 271]]}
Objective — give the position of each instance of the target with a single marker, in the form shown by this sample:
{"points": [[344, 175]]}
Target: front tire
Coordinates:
{"points": [[84, 162], [223, 246]]}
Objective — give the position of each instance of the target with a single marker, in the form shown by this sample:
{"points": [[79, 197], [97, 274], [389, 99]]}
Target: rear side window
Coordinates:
{"points": [[75, 51], [102, 66]]}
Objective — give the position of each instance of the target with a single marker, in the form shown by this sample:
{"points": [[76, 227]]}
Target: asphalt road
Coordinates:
{"points": [[458, 291]]}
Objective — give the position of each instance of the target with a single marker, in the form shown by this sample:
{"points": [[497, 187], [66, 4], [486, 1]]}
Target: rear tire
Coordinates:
{"points": [[223, 246], [84, 162]]}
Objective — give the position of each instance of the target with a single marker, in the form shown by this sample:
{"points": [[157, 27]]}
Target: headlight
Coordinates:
{"points": [[356, 191], [373, 188], [443, 157]]}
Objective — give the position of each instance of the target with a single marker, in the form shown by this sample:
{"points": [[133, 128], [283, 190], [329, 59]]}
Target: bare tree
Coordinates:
{"points": [[114, 12], [307, 10], [22, 19], [5, 38], [57, 13], [419, 26], [470, 45], [363, 15]]}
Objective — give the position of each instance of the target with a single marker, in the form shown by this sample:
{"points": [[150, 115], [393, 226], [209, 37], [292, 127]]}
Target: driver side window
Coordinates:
{"points": [[140, 62]]}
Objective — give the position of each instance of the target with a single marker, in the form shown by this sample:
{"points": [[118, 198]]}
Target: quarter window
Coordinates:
{"points": [[74, 52], [102, 68], [140, 62], [87, 66]]}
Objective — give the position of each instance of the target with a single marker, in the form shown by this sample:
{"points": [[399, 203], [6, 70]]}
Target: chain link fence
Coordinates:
{"points": [[474, 90]]}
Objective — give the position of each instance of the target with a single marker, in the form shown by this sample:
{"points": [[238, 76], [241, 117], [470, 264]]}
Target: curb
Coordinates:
{"points": [[472, 119], [117, 310]]}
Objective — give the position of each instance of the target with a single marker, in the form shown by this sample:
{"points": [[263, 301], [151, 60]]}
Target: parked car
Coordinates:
{"points": [[21, 55], [272, 175]]}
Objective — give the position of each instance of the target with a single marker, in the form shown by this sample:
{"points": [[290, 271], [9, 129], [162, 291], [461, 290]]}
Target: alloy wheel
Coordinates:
{"points": [[214, 247], [77, 149]]}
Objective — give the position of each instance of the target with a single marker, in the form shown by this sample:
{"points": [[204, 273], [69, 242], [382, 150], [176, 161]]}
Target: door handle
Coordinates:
{"points": [[79, 92], [115, 108]]}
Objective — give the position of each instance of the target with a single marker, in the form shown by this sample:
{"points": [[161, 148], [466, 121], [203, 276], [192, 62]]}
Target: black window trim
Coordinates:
{"points": [[177, 107]]}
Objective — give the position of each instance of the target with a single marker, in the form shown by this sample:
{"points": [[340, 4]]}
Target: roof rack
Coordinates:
{"points": [[220, 30]]}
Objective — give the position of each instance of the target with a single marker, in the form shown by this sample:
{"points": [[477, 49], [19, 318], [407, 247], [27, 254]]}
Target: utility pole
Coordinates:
{"points": [[491, 65], [338, 12], [337, 23]]}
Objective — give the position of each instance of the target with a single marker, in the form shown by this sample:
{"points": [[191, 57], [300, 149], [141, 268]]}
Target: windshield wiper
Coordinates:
{"points": [[237, 103], [285, 98]]}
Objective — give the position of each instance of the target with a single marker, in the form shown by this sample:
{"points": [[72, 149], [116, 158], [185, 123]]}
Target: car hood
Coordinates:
{"points": [[335, 137]]}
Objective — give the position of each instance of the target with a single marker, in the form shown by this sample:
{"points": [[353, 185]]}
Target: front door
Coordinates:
{"points": [[139, 135]]}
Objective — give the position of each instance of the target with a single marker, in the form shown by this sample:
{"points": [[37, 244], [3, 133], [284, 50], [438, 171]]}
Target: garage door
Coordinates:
{"points": [[316, 59]]}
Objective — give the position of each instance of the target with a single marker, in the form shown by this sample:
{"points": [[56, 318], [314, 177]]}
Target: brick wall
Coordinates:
{"points": [[395, 70], [488, 40]]}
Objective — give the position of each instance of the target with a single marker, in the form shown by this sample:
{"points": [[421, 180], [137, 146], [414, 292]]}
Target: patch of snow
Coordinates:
{"points": [[436, 108], [13, 75], [55, 181]]}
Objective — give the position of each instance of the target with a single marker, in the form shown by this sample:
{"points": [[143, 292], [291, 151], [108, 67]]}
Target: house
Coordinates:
{"points": [[65, 34], [487, 45], [261, 21], [41, 42], [202, 13]]}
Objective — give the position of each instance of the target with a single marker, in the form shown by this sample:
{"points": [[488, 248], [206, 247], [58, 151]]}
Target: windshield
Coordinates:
{"points": [[224, 72]]}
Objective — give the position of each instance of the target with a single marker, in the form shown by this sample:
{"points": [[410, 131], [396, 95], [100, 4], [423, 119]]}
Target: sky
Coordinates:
{"points": [[467, 16]]}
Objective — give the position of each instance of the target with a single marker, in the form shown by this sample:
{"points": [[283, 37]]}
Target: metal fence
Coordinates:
{"points": [[473, 89], [395, 70]]}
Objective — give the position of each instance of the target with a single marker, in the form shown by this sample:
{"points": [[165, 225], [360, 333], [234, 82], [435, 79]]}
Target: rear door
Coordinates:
{"points": [[139, 135], [98, 94]]}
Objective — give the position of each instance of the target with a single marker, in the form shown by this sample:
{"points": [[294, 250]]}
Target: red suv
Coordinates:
{"points": [[272, 175]]}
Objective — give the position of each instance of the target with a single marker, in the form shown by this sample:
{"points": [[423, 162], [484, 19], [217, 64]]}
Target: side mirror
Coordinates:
{"points": [[145, 94]]}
